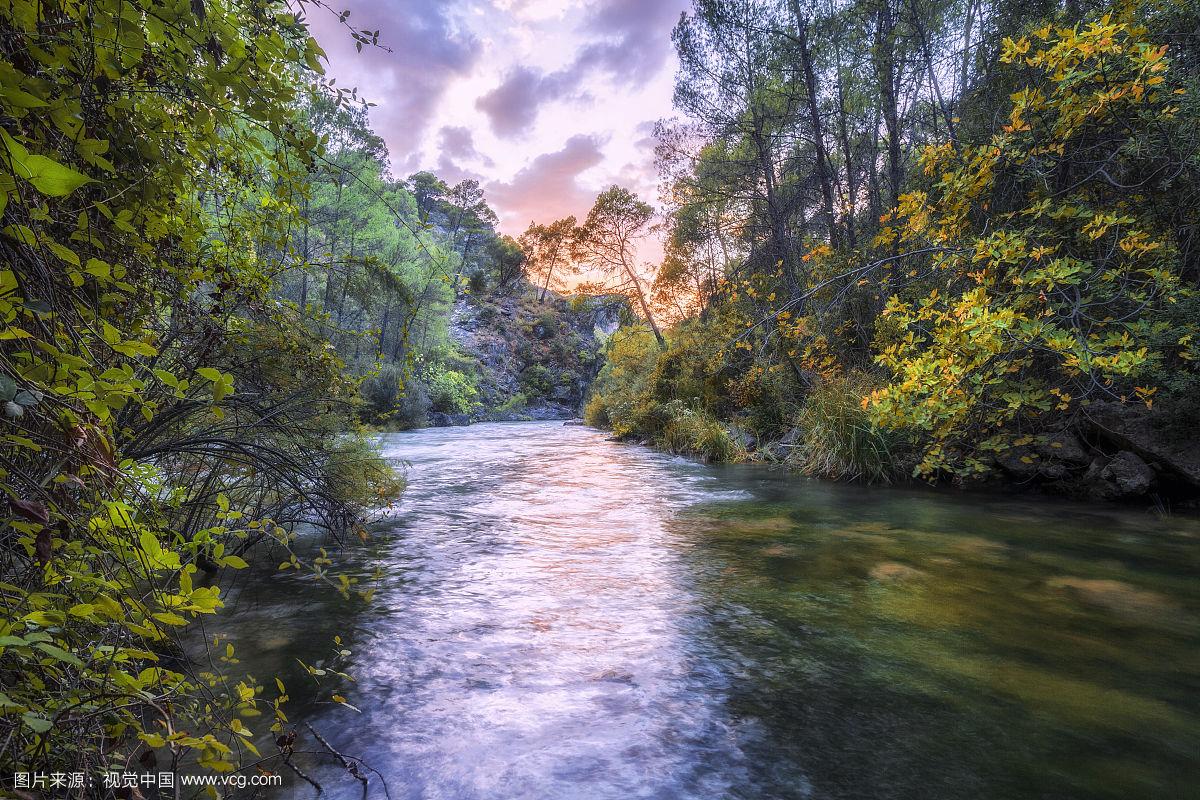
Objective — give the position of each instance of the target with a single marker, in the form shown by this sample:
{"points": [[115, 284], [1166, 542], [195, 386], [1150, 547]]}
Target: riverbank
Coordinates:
{"points": [[1121, 455], [686, 400]]}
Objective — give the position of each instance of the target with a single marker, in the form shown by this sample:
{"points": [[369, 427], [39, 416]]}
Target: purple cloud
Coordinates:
{"points": [[631, 43], [548, 188], [512, 106], [456, 149], [428, 51]]}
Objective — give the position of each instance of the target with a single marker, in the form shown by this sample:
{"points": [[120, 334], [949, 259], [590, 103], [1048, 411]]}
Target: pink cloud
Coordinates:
{"points": [[548, 188]]}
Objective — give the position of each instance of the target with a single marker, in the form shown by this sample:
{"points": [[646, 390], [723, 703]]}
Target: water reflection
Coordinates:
{"points": [[564, 617]]}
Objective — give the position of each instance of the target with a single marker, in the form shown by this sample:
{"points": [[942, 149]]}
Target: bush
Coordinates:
{"points": [[695, 432], [513, 405], [380, 393], [536, 380], [595, 412], [620, 395], [451, 392], [412, 407], [838, 439]]}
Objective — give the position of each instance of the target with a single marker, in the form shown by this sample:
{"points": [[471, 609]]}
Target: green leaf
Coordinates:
{"points": [[212, 374], [45, 618], [51, 178], [235, 561], [57, 652], [38, 724], [169, 618]]}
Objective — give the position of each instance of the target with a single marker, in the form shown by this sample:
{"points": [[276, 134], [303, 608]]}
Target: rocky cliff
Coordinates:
{"points": [[534, 360]]}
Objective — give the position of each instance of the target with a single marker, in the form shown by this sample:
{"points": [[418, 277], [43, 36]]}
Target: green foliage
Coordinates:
{"points": [[152, 174], [918, 315], [513, 405], [537, 380], [451, 392], [621, 395], [694, 432]]}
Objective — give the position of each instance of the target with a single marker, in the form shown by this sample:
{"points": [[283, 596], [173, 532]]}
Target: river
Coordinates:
{"points": [[560, 616]]}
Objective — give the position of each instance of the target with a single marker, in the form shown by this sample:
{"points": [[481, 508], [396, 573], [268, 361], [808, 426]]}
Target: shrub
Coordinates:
{"points": [[513, 405], [412, 407], [696, 432], [838, 438], [595, 412], [380, 392], [620, 394], [451, 392], [536, 380]]}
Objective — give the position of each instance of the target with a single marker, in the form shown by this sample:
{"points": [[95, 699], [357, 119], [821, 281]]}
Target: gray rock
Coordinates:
{"points": [[1022, 463], [1065, 448], [1133, 427], [791, 437], [1123, 477]]}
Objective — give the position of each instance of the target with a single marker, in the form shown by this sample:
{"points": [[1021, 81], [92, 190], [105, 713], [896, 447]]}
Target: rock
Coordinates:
{"points": [[1064, 447], [1055, 457], [1117, 596], [1141, 431], [615, 676], [742, 436], [1022, 463], [774, 451], [573, 422], [1123, 477]]}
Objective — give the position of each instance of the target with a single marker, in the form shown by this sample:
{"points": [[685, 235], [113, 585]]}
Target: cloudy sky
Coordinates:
{"points": [[546, 102]]}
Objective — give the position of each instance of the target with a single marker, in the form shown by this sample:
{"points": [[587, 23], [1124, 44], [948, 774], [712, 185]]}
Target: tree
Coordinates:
{"points": [[608, 241], [547, 251], [1054, 280], [508, 261], [154, 161]]}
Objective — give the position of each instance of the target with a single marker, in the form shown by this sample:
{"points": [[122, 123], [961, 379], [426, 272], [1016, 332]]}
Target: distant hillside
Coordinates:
{"points": [[530, 359]]}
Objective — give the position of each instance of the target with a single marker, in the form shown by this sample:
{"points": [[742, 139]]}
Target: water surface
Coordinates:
{"points": [[559, 616]]}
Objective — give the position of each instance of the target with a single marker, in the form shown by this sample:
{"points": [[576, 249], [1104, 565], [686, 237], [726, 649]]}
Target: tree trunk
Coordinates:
{"points": [[824, 173]]}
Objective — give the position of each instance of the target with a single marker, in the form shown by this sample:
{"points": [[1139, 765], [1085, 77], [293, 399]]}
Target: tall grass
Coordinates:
{"points": [[694, 432], [837, 439]]}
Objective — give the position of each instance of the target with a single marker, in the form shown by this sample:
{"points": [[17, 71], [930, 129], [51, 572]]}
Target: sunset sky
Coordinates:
{"points": [[545, 102]]}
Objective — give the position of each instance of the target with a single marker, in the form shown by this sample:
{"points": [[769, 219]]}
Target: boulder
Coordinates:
{"points": [[1064, 447], [1021, 463], [1138, 429], [1122, 477]]}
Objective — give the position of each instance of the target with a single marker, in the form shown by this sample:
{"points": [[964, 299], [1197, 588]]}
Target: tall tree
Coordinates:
{"points": [[548, 253], [608, 241]]}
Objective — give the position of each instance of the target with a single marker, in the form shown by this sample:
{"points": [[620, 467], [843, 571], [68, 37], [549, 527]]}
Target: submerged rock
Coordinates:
{"points": [[894, 571], [1118, 596]]}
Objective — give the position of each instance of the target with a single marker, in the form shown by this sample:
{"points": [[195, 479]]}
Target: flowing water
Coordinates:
{"points": [[559, 616]]}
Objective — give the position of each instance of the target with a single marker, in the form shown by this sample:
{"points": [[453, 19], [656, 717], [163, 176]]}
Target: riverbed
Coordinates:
{"points": [[560, 616]]}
